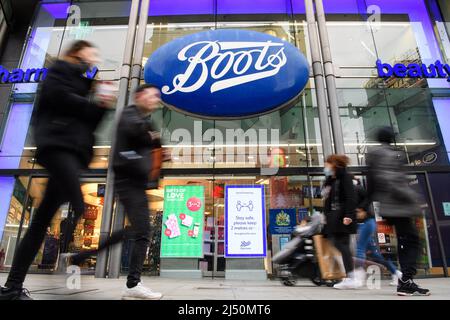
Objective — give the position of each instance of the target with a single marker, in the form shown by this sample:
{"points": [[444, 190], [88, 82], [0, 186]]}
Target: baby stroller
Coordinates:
{"points": [[298, 258]]}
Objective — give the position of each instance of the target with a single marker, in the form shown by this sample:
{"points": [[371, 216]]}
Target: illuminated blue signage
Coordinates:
{"points": [[414, 70], [31, 75], [228, 73]]}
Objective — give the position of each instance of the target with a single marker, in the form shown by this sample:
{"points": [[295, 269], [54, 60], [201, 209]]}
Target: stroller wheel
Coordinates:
{"points": [[289, 282], [317, 281]]}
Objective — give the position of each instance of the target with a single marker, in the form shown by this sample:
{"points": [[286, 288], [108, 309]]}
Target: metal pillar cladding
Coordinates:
{"points": [[330, 78], [115, 257], [102, 257], [325, 131], [136, 68]]}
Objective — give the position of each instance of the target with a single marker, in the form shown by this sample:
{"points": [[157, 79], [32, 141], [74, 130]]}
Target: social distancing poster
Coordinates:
{"points": [[245, 225]]}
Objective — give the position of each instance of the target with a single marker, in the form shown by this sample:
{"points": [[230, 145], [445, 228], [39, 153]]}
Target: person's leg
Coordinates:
{"points": [[364, 234], [135, 202], [408, 252], [408, 246], [68, 170], [378, 257], [63, 185], [32, 241], [342, 243], [116, 237]]}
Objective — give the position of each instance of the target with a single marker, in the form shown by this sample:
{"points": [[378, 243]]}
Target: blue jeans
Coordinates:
{"points": [[366, 242]]}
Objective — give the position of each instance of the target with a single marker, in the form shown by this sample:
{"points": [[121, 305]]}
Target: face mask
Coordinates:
{"points": [[328, 171]]}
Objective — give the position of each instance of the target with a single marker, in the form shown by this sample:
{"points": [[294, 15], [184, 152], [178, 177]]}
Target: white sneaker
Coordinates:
{"points": [[348, 283], [360, 275], [397, 275], [139, 292]]}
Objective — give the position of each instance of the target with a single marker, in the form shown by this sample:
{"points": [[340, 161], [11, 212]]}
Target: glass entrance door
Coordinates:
{"points": [[213, 246], [26, 199]]}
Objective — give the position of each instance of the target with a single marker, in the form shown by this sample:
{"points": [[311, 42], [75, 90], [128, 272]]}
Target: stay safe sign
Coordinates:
{"points": [[245, 224]]}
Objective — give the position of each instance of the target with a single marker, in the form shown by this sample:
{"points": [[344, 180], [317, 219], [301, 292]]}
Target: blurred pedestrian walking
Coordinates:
{"points": [[340, 203], [64, 123], [388, 185], [133, 160], [366, 237]]}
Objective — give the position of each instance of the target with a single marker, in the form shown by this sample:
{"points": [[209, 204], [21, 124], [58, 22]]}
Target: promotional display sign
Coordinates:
{"points": [[228, 73], [245, 223], [282, 221], [182, 222]]}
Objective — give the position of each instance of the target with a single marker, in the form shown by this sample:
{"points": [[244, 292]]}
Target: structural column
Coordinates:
{"points": [[102, 258], [330, 78], [119, 218], [325, 132]]}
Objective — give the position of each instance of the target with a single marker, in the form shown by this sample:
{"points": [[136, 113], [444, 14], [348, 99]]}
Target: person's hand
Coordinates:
{"points": [[106, 101], [347, 221], [155, 135], [361, 214]]}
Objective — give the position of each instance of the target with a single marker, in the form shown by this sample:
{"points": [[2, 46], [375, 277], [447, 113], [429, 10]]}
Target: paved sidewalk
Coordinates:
{"points": [[53, 287]]}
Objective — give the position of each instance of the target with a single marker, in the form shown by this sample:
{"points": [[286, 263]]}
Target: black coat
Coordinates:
{"points": [[362, 201], [388, 184], [133, 150], [65, 117], [340, 203]]}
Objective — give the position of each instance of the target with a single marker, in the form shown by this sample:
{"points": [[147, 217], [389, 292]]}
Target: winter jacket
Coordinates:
{"points": [[388, 184], [134, 145], [362, 202], [65, 118], [340, 203]]}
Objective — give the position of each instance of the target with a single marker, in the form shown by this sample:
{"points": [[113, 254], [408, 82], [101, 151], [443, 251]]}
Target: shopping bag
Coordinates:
{"points": [[157, 159], [329, 258]]}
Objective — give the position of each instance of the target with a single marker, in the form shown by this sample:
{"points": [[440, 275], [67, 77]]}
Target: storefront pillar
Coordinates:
{"points": [[330, 79], [116, 250], [317, 70], [102, 257]]}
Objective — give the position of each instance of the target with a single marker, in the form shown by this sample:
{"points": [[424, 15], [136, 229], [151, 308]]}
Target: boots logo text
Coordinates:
{"points": [[229, 60], [228, 73]]}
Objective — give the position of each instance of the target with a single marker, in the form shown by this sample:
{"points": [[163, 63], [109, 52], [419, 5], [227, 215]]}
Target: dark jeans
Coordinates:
{"points": [[342, 242], [63, 185], [134, 199], [408, 245], [366, 242]]}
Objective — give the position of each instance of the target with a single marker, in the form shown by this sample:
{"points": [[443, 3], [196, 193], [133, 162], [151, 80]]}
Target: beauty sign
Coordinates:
{"points": [[182, 222]]}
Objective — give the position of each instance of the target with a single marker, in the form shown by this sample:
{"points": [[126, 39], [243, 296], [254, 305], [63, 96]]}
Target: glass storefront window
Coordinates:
{"points": [[16, 217]]}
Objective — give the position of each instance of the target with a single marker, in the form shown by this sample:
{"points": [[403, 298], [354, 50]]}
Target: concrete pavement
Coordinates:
{"points": [[54, 287]]}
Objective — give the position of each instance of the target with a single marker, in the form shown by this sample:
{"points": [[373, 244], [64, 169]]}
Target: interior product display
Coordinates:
{"points": [[90, 212]]}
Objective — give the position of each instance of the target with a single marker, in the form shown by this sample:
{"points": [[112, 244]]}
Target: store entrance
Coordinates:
{"points": [[27, 197]]}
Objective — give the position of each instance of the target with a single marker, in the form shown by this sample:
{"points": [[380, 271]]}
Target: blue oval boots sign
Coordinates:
{"points": [[228, 73]]}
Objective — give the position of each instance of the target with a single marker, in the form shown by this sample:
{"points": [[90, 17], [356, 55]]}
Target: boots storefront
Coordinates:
{"points": [[252, 106]]}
